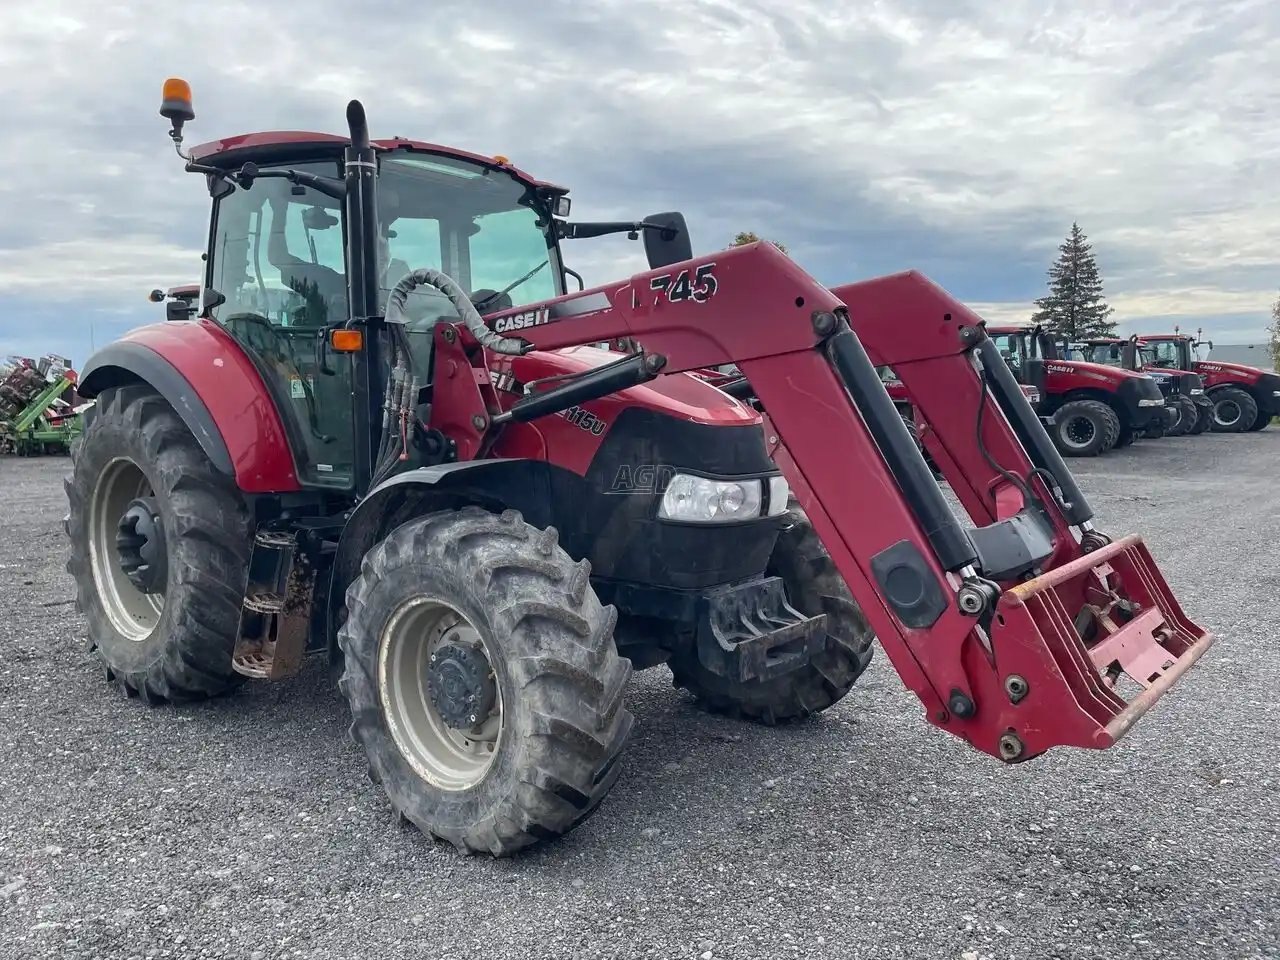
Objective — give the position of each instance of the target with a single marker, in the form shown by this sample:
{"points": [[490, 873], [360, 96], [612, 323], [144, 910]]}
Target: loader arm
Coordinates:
{"points": [[1014, 632]]}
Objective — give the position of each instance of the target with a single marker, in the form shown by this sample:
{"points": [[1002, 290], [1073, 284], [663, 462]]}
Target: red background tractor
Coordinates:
{"points": [[1244, 398], [1091, 407]]}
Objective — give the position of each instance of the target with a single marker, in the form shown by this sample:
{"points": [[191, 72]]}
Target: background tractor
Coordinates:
{"points": [[1243, 398], [391, 437], [1091, 407], [1189, 409]]}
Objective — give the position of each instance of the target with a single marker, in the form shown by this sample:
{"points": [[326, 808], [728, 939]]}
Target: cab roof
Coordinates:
{"points": [[275, 145]]}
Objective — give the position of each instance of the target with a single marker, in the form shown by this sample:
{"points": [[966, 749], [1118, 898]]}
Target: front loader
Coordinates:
{"points": [[387, 439]]}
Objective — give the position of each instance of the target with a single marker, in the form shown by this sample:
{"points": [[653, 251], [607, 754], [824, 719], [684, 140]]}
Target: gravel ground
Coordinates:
{"points": [[246, 828]]}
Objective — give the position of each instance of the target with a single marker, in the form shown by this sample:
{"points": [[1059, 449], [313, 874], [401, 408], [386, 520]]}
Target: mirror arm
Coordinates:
{"points": [[581, 231]]}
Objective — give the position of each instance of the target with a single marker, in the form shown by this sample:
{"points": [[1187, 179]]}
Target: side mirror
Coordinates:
{"points": [[180, 310], [670, 244]]}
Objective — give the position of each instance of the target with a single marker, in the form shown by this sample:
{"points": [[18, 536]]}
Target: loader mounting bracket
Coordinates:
{"points": [[748, 631]]}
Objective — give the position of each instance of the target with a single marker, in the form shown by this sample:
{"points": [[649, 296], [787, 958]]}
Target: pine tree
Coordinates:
{"points": [[746, 236], [1274, 330], [1075, 307]]}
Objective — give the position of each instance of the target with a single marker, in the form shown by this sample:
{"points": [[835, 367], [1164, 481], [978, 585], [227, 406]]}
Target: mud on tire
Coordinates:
{"points": [[1085, 428], [813, 586], [558, 677], [182, 650]]}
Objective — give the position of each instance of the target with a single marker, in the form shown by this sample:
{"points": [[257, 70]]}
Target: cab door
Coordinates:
{"points": [[277, 259]]}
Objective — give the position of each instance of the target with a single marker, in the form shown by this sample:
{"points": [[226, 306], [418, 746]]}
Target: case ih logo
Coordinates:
{"points": [[522, 321]]}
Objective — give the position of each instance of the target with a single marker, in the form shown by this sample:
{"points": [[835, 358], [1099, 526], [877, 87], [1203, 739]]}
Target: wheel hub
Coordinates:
{"points": [[1080, 430], [140, 546], [461, 685]]}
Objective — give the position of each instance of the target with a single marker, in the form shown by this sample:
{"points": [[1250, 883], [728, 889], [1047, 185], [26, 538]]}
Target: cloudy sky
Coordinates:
{"points": [[959, 137]]}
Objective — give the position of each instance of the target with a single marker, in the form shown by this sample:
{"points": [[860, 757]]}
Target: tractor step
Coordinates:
{"points": [[1104, 617], [275, 620]]}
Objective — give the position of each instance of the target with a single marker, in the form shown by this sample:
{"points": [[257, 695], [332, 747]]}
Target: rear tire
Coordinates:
{"points": [[1187, 416], [552, 679], [813, 586], [1085, 428], [1234, 410], [170, 645], [1260, 422]]}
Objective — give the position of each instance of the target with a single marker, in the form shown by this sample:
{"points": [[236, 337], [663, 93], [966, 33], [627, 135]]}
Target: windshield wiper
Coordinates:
{"points": [[481, 304]]}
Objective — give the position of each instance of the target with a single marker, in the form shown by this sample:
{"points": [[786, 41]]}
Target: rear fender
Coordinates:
{"points": [[496, 485], [214, 387]]}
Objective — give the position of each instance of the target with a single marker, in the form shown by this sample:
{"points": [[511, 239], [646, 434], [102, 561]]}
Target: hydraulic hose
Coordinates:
{"points": [[399, 298]]}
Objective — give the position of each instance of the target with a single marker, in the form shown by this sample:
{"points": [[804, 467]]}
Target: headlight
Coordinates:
{"points": [[1196, 393], [1159, 402], [691, 499], [1275, 393]]}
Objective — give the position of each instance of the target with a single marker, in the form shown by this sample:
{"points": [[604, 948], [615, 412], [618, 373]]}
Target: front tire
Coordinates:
{"points": [[1204, 419], [813, 586], [1187, 416], [160, 544], [531, 659], [1234, 410], [1085, 428]]}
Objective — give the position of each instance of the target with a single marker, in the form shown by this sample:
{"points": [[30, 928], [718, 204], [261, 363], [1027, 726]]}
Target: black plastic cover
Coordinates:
{"points": [[909, 585]]}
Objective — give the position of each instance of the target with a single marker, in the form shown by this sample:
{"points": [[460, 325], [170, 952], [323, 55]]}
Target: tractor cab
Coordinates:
{"points": [[276, 271]]}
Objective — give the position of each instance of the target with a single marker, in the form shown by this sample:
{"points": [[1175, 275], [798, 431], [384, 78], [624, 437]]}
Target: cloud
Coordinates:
{"points": [[960, 138]]}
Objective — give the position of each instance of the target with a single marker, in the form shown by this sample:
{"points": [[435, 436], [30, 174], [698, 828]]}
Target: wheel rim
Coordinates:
{"points": [[447, 757], [1227, 413], [1078, 432], [132, 611]]}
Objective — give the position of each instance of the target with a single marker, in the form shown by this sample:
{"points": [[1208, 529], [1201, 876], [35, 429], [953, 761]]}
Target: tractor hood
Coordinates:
{"points": [[1237, 371], [681, 395], [1094, 371]]}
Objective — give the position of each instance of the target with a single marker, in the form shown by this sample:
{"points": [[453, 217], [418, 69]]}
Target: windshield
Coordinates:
{"points": [[1162, 353], [482, 227], [1013, 348], [1106, 353]]}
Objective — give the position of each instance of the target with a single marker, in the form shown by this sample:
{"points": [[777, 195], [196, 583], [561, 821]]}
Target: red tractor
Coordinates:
{"points": [[385, 440], [1090, 407], [1189, 410], [1244, 398]]}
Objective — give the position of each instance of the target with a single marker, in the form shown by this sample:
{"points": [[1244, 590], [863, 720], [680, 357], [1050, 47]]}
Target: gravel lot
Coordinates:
{"points": [[246, 827]]}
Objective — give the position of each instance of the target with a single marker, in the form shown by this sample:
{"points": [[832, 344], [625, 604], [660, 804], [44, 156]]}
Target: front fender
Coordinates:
{"points": [[214, 387], [497, 485]]}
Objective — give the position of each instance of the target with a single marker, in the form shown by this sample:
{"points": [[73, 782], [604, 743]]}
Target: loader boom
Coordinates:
{"points": [[1013, 633]]}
